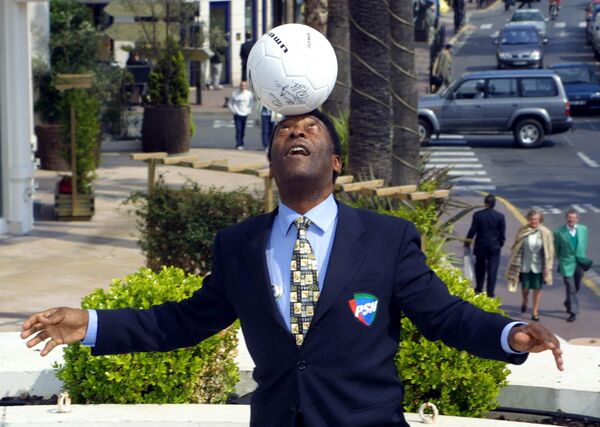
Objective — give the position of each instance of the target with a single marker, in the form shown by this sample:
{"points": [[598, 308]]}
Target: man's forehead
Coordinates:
{"points": [[294, 119]]}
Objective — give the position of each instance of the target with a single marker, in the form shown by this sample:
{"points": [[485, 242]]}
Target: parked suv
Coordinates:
{"points": [[528, 103]]}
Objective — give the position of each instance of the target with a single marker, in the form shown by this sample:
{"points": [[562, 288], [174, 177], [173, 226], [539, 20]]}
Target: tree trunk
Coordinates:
{"points": [[369, 144], [338, 33], [315, 15], [405, 146]]}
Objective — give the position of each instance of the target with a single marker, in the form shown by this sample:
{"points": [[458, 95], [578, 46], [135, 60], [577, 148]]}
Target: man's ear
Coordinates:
{"points": [[337, 163]]}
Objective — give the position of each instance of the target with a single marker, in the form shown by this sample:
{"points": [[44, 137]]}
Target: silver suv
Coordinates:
{"points": [[528, 103]]}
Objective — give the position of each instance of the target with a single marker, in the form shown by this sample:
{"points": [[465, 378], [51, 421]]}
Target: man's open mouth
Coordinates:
{"points": [[298, 150]]}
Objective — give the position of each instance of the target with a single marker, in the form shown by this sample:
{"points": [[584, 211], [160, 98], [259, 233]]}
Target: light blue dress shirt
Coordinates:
{"points": [[280, 246], [320, 234]]}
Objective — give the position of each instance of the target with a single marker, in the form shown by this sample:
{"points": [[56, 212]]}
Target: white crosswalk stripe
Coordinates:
{"points": [[485, 26], [560, 24], [464, 168], [582, 24], [581, 208], [230, 124]]}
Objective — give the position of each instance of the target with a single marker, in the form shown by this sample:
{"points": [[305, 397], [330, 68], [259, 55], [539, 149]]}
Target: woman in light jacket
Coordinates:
{"points": [[531, 260]]}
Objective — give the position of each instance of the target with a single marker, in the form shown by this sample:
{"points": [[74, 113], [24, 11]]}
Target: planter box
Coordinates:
{"points": [[84, 207]]}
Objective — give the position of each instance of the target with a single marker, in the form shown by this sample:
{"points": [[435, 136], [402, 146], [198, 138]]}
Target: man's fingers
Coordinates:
{"points": [[42, 336], [49, 347], [557, 352], [31, 330]]}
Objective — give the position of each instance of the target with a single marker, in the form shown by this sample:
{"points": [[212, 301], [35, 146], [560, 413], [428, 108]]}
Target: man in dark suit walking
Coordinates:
{"points": [[489, 230], [244, 53], [319, 289]]}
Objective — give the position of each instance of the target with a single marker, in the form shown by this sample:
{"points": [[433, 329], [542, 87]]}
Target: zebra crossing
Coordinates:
{"points": [[463, 164]]}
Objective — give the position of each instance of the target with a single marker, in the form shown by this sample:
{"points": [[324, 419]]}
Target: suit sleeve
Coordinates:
{"points": [[170, 325], [502, 231], [473, 229], [425, 299]]}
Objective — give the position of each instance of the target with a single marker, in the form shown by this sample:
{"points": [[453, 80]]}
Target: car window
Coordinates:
{"points": [[501, 88], [519, 37], [468, 90], [538, 87], [527, 16], [576, 75]]}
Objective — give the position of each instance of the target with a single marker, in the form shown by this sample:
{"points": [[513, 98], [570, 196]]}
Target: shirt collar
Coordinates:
{"points": [[321, 215], [572, 229]]}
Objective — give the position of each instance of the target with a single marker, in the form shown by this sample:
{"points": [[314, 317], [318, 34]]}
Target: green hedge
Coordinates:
{"points": [[177, 226], [456, 382], [205, 373]]}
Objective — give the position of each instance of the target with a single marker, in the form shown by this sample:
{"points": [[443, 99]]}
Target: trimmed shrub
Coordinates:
{"points": [[205, 373], [177, 226], [456, 382]]}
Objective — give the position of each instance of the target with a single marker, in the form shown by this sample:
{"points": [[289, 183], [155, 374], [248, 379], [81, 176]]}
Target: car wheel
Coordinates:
{"points": [[529, 133], [424, 132]]}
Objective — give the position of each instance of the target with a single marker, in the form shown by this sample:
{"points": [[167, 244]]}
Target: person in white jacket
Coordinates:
{"points": [[240, 103]]}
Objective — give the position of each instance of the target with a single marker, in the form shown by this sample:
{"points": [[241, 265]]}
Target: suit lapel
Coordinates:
{"points": [[256, 263], [347, 256]]}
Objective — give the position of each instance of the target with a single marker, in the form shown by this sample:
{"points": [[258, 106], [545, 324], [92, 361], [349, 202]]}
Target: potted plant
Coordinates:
{"points": [[166, 125]]}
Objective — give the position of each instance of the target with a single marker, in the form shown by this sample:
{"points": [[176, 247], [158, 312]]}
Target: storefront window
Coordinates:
{"points": [[250, 21]]}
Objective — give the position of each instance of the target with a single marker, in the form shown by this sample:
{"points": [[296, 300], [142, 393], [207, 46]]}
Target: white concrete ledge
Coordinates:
{"points": [[180, 415]]}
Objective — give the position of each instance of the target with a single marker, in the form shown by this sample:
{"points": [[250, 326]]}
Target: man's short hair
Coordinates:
{"points": [[248, 35], [571, 211], [490, 200], [333, 135]]}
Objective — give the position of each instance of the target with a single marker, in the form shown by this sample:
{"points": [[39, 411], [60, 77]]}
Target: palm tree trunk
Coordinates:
{"points": [[315, 15], [405, 146], [369, 144], [338, 33]]}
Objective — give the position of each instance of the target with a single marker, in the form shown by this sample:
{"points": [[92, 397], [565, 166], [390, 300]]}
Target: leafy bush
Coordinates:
{"points": [[456, 382], [177, 226], [167, 83], [205, 373], [87, 128]]}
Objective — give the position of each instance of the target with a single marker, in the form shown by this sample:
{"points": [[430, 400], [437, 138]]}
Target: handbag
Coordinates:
{"points": [[584, 262]]}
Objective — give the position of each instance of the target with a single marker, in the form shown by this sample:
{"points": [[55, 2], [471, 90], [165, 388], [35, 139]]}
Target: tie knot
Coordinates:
{"points": [[302, 223]]}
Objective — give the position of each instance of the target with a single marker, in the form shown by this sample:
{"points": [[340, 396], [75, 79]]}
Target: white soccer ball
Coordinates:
{"points": [[292, 69]]}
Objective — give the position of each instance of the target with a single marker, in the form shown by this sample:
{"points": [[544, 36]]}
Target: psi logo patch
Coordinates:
{"points": [[364, 308]]}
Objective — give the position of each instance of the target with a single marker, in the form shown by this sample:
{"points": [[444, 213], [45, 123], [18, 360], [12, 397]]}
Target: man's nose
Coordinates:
{"points": [[297, 132]]}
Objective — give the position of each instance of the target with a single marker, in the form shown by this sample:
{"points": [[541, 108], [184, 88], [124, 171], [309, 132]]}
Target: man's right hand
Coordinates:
{"points": [[62, 325]]}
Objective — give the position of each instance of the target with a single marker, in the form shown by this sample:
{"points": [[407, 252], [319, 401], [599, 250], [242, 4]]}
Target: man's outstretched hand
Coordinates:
{"points": [[535, 338], [62, 325]]}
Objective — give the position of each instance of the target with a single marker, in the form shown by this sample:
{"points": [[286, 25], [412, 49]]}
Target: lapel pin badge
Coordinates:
{"points": [[277, 291]]}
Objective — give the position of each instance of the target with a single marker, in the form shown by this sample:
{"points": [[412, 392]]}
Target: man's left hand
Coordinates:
{"points": [[535, 338]]}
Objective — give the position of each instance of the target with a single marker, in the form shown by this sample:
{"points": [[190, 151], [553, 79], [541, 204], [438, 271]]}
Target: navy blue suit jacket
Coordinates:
{"points": [[344, 373], [489, 229]]}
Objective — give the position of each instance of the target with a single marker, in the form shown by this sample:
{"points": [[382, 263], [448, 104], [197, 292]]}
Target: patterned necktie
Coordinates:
{"points": [[304, 285]]}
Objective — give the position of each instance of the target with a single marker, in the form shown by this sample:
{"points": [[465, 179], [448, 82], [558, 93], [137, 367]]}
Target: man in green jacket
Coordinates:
{"points": [[570, 242]]}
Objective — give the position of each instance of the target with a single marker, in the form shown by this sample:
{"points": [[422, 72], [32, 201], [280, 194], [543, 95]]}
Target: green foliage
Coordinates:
{"points": [[341, 127], [457, 383], [167, 83], [73, 38], [177, 226], [110, 88], [49, 98], [218, 43], [205, 373], [87, 128]]}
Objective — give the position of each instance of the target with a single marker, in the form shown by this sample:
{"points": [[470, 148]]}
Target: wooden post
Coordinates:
{"points": [[151, 173], [73, 161], [268, 194]]}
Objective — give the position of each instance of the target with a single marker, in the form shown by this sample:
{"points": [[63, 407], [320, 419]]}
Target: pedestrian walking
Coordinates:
{"points": [[442, 69], [530, 262], [525, 2], [266, 121], [323, 346], [216, 68], [430, 21], [570, 244], [508, 4], [488, 227], [244, 53], [240, 103], [458, 6]]}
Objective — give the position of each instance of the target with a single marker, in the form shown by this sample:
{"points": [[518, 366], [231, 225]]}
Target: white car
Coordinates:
{"points": [[533, 17]]}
